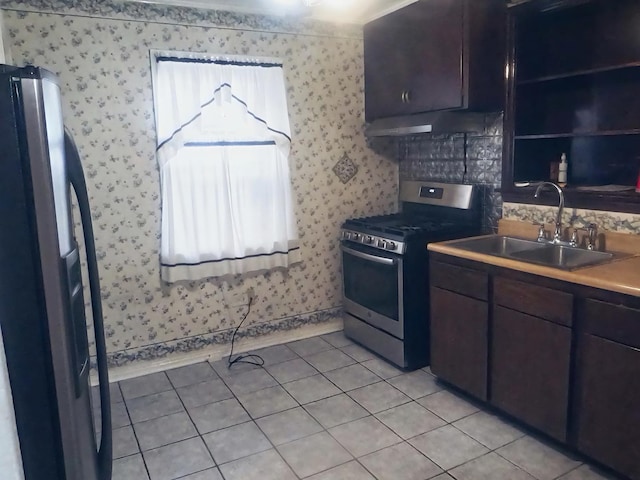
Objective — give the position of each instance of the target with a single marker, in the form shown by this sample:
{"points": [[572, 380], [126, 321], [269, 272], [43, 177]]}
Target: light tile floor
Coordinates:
{"points": [[321, 409]]}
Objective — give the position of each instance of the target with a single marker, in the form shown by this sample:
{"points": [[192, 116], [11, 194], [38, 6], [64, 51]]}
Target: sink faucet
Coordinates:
{"points": [[557, 235]]}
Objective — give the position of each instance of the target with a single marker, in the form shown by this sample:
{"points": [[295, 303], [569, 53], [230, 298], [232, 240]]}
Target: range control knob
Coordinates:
{"points": [[346, 235], [382, 244], [355, 237], [391, 245], [368, 240]]}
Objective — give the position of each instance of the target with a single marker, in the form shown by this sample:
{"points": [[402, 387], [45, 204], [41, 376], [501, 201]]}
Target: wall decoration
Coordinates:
{"points": [[345, 169]]}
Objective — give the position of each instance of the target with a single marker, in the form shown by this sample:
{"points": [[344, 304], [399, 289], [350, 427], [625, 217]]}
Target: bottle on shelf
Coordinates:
{"points": [[562, 170], [554, 171]]}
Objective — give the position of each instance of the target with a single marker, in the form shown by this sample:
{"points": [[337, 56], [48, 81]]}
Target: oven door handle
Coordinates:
{"points": [[366, 256]]}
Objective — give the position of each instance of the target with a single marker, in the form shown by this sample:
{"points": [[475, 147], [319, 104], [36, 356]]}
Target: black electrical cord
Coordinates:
{"points": [[259, 361]]}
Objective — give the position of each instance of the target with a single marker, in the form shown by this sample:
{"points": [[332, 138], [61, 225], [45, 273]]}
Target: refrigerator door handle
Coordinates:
{"points": [[76, 176]]}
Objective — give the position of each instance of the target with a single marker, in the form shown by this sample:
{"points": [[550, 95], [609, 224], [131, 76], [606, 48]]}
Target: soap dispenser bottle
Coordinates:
{"points": [[562, 171]]}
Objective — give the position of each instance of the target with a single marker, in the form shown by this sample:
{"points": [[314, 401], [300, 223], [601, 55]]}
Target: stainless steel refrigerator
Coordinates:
{"points": [[42, 305]]}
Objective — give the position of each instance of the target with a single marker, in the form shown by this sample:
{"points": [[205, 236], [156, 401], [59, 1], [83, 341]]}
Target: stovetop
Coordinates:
{"points": [[401, 226], [429, 212], [399, 232], [398, 224]]}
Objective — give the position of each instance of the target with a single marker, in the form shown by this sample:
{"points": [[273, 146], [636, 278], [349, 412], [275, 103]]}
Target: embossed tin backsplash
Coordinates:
{"points": [[458, 158], [442, 158]]}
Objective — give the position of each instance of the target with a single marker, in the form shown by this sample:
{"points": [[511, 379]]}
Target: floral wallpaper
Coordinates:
{"points": [[156, 13], [579, 218], [101, 52], [3, 56]]}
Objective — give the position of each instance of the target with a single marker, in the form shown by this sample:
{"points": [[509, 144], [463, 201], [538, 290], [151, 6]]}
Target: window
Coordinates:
{"points": [[223, 147]]}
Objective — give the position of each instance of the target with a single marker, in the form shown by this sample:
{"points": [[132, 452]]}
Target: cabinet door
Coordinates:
{"points": [[413, 59], [608, 401], [459, 338], [530, 370]]}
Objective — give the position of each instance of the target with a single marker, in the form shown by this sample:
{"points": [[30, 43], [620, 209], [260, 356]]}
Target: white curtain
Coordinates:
{"points": [[223, 148]]}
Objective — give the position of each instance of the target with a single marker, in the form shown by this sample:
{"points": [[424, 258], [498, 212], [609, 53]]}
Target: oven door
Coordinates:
{"points": [[372, 287]]}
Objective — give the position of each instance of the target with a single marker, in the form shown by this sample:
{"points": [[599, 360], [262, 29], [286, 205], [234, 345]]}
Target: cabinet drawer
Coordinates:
{"points": [[614, 322], [466, 281], [542, 302]]}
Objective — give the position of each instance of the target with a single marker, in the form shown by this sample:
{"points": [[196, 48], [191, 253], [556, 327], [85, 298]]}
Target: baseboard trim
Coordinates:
{"points": [[213, 353]]}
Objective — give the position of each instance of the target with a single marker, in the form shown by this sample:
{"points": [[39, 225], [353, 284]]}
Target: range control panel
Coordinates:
{"points": [[373, 241]]}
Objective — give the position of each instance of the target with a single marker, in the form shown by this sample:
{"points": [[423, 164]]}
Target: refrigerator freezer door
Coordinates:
{"points": [[23, 310], [61, 283], [55, 141]]}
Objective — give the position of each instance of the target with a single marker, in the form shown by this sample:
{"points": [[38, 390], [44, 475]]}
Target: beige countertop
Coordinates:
{"points": [[620, 275]]}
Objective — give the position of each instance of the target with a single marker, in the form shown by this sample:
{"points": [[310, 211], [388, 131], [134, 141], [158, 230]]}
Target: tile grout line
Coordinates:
{"points": [[324, 429], [253, 420], [300, 405], [523, 469], [199, 435], [370, 414], [192, 423], [407, 441], [567, 473], [126, 407]]}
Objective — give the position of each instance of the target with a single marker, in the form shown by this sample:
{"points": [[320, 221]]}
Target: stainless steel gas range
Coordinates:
{"points": [[385, 268]]}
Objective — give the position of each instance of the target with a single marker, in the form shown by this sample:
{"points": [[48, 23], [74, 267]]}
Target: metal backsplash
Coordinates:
{"points": [[442, 158]]}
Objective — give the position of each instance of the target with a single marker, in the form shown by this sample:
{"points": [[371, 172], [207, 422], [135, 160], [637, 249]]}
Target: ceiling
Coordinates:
{"points": [[341, 11]]}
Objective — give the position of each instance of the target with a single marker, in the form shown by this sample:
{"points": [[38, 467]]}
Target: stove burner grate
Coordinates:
{"points": [[400, 225]]}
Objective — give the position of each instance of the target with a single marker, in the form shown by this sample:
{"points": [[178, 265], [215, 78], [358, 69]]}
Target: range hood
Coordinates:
{"points": [[432, 122]]}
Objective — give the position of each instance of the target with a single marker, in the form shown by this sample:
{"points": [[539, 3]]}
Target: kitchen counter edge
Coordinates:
{"points": [[621, 275]]}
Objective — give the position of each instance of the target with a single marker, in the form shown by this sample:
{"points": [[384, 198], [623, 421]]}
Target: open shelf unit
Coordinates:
{"points": [[577, 73], [605, 133], [574, 88]]}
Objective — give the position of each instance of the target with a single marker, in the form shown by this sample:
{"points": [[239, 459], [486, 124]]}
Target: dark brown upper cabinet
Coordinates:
{"points": [[435, 55], [574, 87]]}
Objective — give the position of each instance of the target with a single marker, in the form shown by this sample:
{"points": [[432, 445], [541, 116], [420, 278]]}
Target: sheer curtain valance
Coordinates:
{"points": [[223, 147]]}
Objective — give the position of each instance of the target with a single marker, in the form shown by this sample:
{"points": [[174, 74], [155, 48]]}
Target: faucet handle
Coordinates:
{"points": [[592, 234], [542, 233], [574, 237], [557, 231]]}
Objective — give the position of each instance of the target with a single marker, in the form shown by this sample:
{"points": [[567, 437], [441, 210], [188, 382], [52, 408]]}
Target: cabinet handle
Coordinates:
{"points": [[404, 96], [407, 96]]}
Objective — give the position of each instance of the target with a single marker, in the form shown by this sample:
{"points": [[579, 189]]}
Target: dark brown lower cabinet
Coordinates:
{"points": [[530, 370], [560, 357], [459, 340], [607, 391]]}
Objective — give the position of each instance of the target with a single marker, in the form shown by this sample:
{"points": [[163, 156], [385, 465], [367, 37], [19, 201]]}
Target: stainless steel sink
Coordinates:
{"points": [[559, 256], [498, 245], [556, 256]]}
